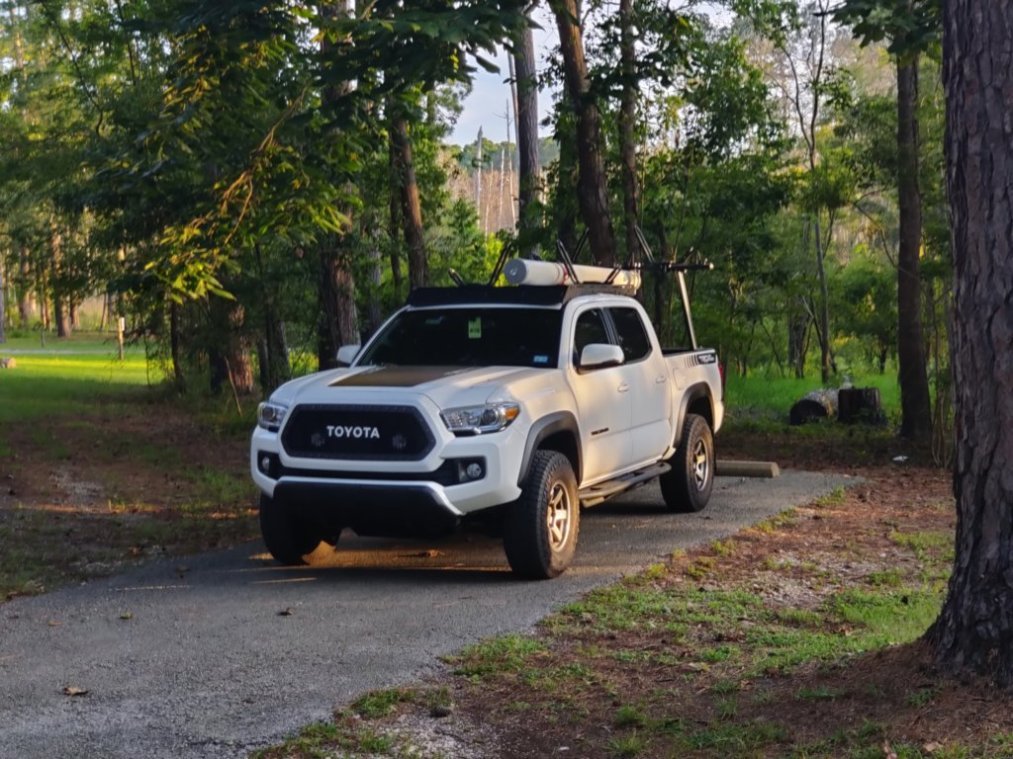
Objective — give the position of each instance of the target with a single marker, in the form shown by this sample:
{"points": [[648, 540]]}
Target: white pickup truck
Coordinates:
{"points": [[512, 405]]}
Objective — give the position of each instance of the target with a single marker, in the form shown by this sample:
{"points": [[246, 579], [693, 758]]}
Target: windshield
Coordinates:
{"points": [[469, 337]]}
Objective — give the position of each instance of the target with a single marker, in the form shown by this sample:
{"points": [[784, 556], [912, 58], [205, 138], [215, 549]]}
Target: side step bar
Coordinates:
{"points": [[595, 494]]}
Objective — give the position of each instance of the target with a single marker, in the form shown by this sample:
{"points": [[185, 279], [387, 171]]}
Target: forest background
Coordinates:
{"points": [[253, 184]]}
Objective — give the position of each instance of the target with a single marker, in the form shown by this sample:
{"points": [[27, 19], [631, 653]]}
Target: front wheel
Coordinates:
{"points": [[540, 536], [687, 486], [287, 538]]}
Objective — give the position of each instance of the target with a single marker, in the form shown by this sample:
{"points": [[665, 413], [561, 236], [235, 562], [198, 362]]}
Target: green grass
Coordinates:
{"points": [[69, 377], [771, 397]]}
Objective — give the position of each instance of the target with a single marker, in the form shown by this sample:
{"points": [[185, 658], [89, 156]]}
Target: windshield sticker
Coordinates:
{"points": [[475, 328], [537, 360]]}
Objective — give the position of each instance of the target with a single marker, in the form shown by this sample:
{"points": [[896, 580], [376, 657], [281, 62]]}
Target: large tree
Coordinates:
{"points": [[911, 26], [592, 190], [975, 628]]}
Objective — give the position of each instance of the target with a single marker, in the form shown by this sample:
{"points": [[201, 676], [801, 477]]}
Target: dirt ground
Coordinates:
{"points": [[644, 693], [72, 507]]}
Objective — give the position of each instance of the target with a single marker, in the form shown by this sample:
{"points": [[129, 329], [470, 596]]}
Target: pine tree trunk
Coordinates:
{"points": [[527, 135], [3, 304], [176, 346], [627, 128], [592, 193], [916, 418], [59, 305], [411, 207], [394, 228], [26, 308], [338, 323], [974, 631]]}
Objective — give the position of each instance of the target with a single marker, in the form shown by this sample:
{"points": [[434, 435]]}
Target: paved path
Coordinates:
{"points": [[205, 666]]}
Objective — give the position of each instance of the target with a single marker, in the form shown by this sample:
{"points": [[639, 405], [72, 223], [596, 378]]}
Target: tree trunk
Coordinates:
{"points": [[592, 192], [3, 301], [823, 317], [916, 418], [338, 324], [230, 357], [26, 306], [56, 288], [411, 207], [974, 631], [527, 137], [628, 126], [175, 346], [394, 230]]}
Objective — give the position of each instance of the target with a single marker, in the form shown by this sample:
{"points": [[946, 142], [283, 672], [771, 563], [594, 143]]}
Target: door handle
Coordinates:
{"points": [[660, 380], [623, 388]]}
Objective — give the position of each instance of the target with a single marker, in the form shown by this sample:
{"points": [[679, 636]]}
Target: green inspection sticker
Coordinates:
{"points": [[475, 328]]}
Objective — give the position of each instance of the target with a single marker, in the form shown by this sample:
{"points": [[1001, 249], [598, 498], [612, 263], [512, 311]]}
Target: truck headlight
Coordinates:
{"points": [[270, 415], [478, 420]]}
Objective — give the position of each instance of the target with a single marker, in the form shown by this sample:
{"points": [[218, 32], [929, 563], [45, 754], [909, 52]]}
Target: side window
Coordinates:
{"points": [[590, 328], [632, 335]]}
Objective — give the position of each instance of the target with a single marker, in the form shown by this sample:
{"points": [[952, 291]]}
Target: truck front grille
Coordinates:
{"points": [[357, 432]]}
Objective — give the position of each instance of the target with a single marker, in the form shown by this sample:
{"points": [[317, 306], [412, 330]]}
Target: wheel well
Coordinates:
{"points": [[701, 407], [563, 442]]}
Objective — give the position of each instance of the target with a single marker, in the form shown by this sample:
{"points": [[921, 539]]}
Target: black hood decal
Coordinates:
{"points": [[398, 376]]}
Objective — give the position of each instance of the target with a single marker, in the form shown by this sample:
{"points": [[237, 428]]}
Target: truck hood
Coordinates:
{"points": [[446, 386]]}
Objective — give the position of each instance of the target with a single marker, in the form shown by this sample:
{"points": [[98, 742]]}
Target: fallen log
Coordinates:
{"points": [[729, 468], [817, 405]]}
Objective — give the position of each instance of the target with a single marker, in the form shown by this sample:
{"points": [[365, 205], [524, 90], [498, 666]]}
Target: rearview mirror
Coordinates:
{"points": [[600, 355], [347, 354]]}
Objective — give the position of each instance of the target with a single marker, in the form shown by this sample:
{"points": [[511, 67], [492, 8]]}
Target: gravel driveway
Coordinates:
{"points": [[219, 654]]}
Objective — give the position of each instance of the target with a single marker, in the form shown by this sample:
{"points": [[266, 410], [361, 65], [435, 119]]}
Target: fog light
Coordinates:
{"points": [[265, 465], [473, 471]]}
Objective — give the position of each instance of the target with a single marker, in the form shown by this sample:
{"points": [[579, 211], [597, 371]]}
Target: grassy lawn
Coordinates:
{"points": [[95, 449]]}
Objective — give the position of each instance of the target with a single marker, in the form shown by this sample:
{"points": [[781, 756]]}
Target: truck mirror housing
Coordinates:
{"points": [[347, 354], [600, 355]]}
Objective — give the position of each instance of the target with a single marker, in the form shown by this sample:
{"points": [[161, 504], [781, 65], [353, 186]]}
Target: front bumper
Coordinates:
{"points": [[371, 508], [394, 497]]}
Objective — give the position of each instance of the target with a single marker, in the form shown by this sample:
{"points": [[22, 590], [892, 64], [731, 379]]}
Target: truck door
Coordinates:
{"points": [[604, 402], [650, 381]]}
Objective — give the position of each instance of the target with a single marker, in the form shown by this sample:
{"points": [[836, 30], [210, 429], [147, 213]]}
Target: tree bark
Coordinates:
{"points": [[916, 417], [411, 207], [592, 192], [339, 324], [230, 356], [394, 228], [527, 136], [63, 328], [3, 307], [974, 631], [175, 346], [628, 127], [26, 306]]}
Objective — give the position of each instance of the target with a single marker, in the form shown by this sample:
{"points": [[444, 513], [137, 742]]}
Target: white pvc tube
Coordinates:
{"points": [[524, 271]]}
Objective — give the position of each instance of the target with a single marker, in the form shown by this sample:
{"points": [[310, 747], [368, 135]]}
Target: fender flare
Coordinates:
{"points": [[541, 430], [691, 394]]}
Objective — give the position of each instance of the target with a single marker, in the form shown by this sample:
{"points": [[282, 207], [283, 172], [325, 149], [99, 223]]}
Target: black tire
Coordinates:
{"points": [[287, 539], [687, 486], [540, 534]]}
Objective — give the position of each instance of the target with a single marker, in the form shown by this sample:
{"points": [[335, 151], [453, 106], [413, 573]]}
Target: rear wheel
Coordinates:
{"points": [[540, 536], [687, 486], [287, 538]]}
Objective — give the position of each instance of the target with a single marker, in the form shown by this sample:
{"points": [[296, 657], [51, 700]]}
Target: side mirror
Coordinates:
{"points": [[347, 354], [600, 355]]}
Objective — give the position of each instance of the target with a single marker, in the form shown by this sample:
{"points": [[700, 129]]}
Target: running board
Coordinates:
{"points": [[595, 494]]}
